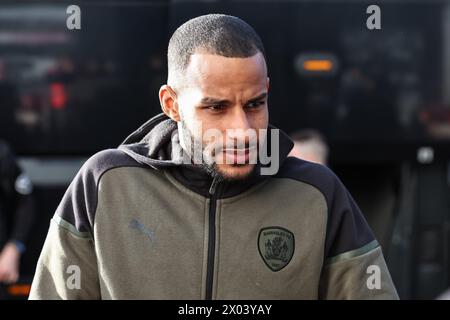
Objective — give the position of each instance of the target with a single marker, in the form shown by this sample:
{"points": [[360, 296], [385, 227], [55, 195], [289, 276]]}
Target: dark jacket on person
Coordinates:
{"points": [[17, 213], [138, 223]]}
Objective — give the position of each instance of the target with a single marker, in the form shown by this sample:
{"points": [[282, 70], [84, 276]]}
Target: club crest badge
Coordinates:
{"points": [[276, 246]]}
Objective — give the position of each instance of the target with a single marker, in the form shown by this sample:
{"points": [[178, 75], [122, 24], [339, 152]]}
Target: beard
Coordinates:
{"points": [[195, 148]]}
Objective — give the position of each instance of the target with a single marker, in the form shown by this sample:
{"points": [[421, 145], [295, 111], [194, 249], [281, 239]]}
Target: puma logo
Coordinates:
{"points": [[137, 225]]}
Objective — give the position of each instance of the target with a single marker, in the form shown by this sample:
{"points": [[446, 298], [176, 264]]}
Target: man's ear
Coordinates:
{"points": [[268, 84], [169, 103]]}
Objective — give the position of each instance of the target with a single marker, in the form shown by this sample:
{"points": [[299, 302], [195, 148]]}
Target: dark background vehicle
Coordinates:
{"points": [[383, 103]]}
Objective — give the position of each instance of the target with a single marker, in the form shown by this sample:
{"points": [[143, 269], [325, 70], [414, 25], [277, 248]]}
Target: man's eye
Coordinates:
{"points": [[254, 105], [217, 107]]}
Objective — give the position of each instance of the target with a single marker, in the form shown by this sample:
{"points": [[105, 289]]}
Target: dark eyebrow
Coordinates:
{"points": [[216, 101], [260, 97], [210, 100]]}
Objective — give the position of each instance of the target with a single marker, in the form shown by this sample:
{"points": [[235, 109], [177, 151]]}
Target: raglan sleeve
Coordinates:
{"points": [[354, 266], [67, 266]]}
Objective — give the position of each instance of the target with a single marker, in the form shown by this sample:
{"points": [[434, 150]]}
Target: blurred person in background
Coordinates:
{"points": [[16, 215], [309, 145]]}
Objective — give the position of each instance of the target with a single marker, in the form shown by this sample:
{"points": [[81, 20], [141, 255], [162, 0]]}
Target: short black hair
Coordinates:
{"points": [[219, 34]]}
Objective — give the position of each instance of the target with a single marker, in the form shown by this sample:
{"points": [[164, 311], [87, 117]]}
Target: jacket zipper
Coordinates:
{"points": [[211, 238]]}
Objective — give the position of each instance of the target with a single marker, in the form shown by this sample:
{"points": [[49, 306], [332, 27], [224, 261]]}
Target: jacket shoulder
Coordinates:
{"points": [[316, 175], [76, 211], [107, 159], [347, 230]]}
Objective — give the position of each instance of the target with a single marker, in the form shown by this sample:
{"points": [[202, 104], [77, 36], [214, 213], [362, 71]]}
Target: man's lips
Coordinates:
{"points": [[237, 156]]}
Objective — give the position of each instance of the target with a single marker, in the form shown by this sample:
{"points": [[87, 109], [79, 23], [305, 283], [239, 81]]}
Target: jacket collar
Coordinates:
{"points": [[156, 144]]}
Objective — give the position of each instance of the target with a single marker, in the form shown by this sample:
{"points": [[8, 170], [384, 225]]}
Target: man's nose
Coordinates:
{"points": [[239, 119], [239, 127]]}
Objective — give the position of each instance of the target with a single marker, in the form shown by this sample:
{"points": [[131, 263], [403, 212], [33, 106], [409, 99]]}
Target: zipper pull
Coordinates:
{"points": [[214, 184]]}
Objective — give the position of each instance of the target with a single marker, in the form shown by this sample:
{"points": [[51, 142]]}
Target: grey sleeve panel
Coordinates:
{"points": [[347, 228], [360, 277], [67, 267], [79, 203]]}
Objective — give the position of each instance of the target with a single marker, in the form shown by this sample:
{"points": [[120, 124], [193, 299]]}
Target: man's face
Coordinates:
{"points": [[229, 96]]}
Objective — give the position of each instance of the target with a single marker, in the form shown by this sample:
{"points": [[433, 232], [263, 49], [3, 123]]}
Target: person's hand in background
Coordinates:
{"points": [[9, 263]]}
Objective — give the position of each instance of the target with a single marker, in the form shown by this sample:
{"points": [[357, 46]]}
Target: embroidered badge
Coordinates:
{"points": [[276, 246]]}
